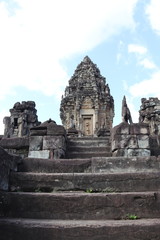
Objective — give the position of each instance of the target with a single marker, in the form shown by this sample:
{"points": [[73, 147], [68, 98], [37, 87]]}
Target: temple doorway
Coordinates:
{"points": [[87, 125]]}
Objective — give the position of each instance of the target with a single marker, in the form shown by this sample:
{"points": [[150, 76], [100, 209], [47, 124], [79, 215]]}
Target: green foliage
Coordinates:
{"points": [[90, 190], [131, 216]]}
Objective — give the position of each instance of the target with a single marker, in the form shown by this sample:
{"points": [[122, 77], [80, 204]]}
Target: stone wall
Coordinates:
{"points": [[130, 140], [7, 163], [47, 141]]}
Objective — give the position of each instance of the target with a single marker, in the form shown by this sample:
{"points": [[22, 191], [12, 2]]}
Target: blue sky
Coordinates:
{"points": [[43, 41]]}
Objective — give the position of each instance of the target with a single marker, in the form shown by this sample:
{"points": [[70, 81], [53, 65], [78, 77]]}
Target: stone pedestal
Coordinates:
{"points": [[130, 140]]}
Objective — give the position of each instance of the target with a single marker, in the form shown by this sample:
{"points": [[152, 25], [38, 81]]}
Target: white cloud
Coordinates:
{"points": [[152, 10], [119, 56], [41, 33], [138, 49], [141, 54], [146, 63], [148, 87]]}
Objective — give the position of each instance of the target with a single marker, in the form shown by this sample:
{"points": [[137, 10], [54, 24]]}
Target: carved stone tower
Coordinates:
{"points": [[87, 105], [23, 117]]}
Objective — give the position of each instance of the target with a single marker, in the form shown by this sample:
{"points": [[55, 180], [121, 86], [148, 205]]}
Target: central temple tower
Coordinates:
{"points": [[87, 105]]}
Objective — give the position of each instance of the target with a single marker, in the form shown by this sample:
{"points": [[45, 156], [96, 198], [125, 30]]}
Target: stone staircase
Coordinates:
{"points": [[100, 198], [87, 147]]}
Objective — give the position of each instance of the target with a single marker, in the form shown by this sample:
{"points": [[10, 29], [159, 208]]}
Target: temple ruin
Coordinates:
{"points": [[87, 104], [84, 179], [87, 112], [23, 117]]}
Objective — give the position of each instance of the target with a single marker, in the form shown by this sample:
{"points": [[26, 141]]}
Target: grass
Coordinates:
{"points": [[131, 217], [90, 190]]}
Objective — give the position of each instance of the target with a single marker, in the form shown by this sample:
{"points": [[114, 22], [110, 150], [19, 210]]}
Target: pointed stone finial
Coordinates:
{"points": [[126, 115], [86, 59]]}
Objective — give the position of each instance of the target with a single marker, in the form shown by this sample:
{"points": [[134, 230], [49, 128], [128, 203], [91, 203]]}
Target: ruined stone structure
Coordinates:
{"points": [[86, 110], [87, 105], [150, 114], [138, 139], [130, 140], [23, 117], [43, 196], [48, 140]]}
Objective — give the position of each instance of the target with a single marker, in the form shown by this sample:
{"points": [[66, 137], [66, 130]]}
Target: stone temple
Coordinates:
{"points": [[87, 104], [84, 179]]}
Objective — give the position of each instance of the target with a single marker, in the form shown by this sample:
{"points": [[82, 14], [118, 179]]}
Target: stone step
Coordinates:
{"points": [[81, 149], [18, 229], [55, 166], [92, 182], [87, 138], [99, 165], [80, 206], [88, 154], [94, 142], [88, 144]]}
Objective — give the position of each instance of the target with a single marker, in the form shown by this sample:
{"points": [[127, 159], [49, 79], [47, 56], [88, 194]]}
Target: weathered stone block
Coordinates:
{"points": [[38, 132], [122, 128], [137, 152], [144, 130], [39, 154], [124, 141], [35, 143], [143, 141], [139, 128], [131, 141], [55, 130], [15, 143], [54, 142]]}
